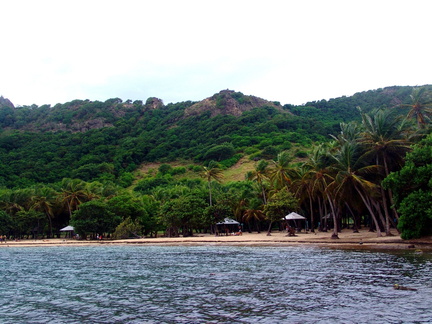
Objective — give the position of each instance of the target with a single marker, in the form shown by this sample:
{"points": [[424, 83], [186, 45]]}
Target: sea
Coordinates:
{"points": [[213, 284]]}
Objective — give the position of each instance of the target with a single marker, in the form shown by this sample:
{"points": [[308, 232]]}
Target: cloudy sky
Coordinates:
{"points": [[178, 50]]}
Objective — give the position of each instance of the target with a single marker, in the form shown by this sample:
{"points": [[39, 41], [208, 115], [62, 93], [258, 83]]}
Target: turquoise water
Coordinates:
{"points": [[211, 284]]}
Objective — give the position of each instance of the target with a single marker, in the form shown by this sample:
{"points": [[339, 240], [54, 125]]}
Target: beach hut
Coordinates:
{"points": [[69, 229], [228, 226], [294, 217]]}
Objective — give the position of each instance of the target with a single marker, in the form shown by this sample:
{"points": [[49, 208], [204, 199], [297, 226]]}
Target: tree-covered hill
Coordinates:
{"points": [[107, 140]]}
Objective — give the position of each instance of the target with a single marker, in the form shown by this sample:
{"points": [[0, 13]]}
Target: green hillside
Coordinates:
{"points": [[91, 139], [139, 168]]}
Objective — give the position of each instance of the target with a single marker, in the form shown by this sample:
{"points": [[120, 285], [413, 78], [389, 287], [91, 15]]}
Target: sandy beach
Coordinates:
{"points": [[347, 240]]}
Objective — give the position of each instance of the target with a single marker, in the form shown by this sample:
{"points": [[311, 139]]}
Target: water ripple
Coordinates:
{"points": [[208, 284]]}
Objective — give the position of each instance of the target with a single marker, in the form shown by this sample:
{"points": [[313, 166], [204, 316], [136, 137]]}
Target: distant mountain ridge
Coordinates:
{"points": [[85, 115]]}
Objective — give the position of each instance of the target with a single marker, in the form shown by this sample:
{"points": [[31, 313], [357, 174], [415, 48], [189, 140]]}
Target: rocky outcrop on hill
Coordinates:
{"points": [[5, 102], [228, 102]]}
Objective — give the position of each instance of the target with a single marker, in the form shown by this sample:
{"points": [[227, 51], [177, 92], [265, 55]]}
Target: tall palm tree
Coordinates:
{"points": [[385, 144], [320, 177], [212, 172], [420, 106], [43, 201], [304, 190], [350, 179], [73, 192], [259, 175], [282, 173]]}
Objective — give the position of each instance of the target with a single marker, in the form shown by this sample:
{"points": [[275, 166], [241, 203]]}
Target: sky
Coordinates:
{"points": [[178, 50]]}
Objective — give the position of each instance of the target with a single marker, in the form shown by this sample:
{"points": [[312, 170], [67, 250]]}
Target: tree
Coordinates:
{"points": [[259, 175], [420, 106], [127, 228], [212, 172], [385, 144], [73, 192], [350, 180], [281, 173], [43, 201], [280, 204], [6, 223], [412, 190], [94, 217]]}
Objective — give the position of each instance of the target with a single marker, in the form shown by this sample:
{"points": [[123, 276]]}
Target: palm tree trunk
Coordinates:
{"points": [[389, 190], [269, 228], [210, 193], [386, 212], [335, 231], [369, 207], [311, 213]]}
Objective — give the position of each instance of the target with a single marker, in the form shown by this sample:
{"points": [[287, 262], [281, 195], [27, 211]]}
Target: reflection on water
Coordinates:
{"points": [[211, 284]]}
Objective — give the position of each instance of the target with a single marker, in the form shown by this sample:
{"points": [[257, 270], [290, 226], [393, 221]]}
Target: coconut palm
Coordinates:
{"points": [[350, 179], [43, 201], [282, 172], [385, 144], [304, 189], [420, 106], [73, 192], [212, 172], [259, 174], [255, 216]]}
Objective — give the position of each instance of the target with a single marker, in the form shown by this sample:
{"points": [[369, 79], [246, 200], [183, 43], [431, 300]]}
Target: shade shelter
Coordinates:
{"points": [[69, 229], [228, 226], [294, 217]]}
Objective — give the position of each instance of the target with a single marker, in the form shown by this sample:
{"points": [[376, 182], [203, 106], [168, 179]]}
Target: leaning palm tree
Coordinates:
{"points": [[385, 144], [351, 181], [212, 172]]}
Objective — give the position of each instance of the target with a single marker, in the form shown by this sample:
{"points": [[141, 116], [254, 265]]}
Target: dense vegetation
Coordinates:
{"points": [[77, 161]]}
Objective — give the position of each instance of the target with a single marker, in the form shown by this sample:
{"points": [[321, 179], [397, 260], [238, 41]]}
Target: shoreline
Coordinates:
{"points": [[347, 240]]}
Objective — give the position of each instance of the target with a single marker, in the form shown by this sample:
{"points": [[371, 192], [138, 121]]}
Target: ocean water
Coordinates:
{"points": [[212, 284]]}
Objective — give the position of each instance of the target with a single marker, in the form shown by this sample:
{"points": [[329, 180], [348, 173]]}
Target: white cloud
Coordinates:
{"points": [[289, 51]]}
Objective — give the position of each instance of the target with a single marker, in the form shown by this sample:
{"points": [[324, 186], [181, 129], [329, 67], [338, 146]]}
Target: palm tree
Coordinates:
{"points": [[385, 144], [320, 177], [350, 179], [282, 173], [304, 189], [43, 200], [420, 106], [212, 172], [255, 216], [73, 192], [259, 175]]}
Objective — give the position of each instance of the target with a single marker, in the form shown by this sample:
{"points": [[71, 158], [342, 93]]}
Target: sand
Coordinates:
{"points": [[347, 240]]}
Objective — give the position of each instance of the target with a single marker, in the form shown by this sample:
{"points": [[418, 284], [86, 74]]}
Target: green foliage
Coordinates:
{"points": [[280, 204], [6, 223], [225, 164], [94, 217], [412, 189], [146, 186], [127, 229], [220, 152], [416, 215], [164, 169]]}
